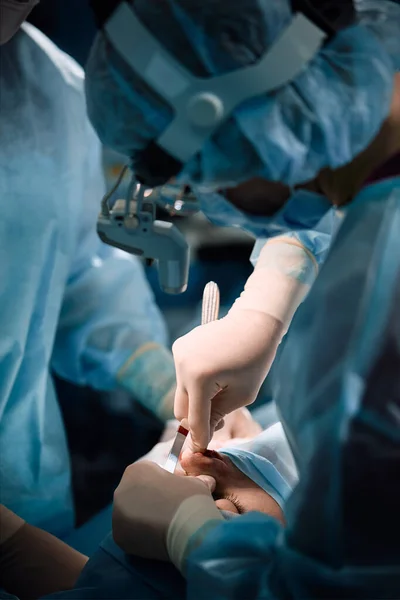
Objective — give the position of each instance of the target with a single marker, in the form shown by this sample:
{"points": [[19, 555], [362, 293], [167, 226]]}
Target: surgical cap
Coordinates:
{"points": [[324, 117]]}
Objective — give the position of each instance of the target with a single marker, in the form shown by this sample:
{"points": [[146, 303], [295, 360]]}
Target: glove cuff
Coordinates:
{"points": [[149, 375], [283, 275], [193, 520]]}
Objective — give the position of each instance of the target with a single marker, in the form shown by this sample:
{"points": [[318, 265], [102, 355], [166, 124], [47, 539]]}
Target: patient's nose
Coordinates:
{"points": [[209, 463]]}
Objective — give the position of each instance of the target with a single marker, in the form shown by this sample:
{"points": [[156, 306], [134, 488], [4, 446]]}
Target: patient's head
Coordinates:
{"points": [[234, 491]]}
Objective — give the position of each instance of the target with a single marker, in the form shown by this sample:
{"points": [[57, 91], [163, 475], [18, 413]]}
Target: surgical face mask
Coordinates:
{"points": [[303, 211], [263, 472], [228, 516], [12, 14]]}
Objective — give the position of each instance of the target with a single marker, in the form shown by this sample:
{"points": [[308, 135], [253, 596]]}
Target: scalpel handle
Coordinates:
{"points": [[210, 306]]}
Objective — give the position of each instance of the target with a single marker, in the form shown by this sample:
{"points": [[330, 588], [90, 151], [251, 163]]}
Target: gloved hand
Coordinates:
{"points": [[220, 366], [149, 375], [146, 502], [238, 425]]}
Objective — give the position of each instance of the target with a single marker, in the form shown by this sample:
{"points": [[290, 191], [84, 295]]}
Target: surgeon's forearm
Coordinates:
{"points": [[283, 275], [34, 563], [149, 374]]}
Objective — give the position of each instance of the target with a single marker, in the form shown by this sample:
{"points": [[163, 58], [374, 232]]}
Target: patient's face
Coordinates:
{"points": [[234, 491]]}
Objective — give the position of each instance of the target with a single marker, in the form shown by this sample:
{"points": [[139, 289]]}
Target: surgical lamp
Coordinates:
{"points": [[200, 106]]}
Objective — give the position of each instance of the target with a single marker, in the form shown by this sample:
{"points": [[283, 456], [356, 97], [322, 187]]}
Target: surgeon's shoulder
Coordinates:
{"points": [[60, 81], [49, 59]]}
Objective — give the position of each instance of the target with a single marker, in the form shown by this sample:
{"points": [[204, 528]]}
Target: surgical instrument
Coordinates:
{"points": [[131, 225], [209, 312]]}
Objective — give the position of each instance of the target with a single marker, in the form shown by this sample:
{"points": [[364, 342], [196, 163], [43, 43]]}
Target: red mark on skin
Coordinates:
{"points": [[210, 463], [212, 454]]}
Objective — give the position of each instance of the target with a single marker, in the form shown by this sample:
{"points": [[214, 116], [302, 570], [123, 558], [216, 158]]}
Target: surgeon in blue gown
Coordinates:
{"points": [[340, 406], [343, 435], [68, 302], [337, 384], [255, 170]]}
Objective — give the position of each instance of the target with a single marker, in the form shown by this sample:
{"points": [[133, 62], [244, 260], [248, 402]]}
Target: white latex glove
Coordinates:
{"points": [[221, 366], [146, 502], [238, 425]]}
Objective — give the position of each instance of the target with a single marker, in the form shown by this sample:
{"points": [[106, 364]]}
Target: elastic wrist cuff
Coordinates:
{"points": [[270, 292], [283, 276], [290, 258], [191, 523], [149, 375]]}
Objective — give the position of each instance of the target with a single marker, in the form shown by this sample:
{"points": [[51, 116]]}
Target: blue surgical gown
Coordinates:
{"points": [[338, 394], [67, 302]]}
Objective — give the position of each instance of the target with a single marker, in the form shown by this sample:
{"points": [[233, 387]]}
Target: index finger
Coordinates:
{"points": [[208, 481], [199, 420], [181, 402]]}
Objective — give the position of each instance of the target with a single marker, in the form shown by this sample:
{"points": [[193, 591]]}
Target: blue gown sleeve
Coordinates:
{"points": [[108, 310], [238, 559], [336, 392], [317, 241]]}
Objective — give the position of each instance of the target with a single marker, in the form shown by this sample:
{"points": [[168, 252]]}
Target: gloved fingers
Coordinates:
{"points": [[217, 421], [228, 401], [181, 403], [208, 481], [244, 425], [215, 429], [145, 503], [231, 423], [219, 425], [204, 416], [199, 420]]}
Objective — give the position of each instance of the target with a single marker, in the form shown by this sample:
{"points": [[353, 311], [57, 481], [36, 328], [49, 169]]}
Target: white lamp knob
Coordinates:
{"points": [[205, 110]]}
